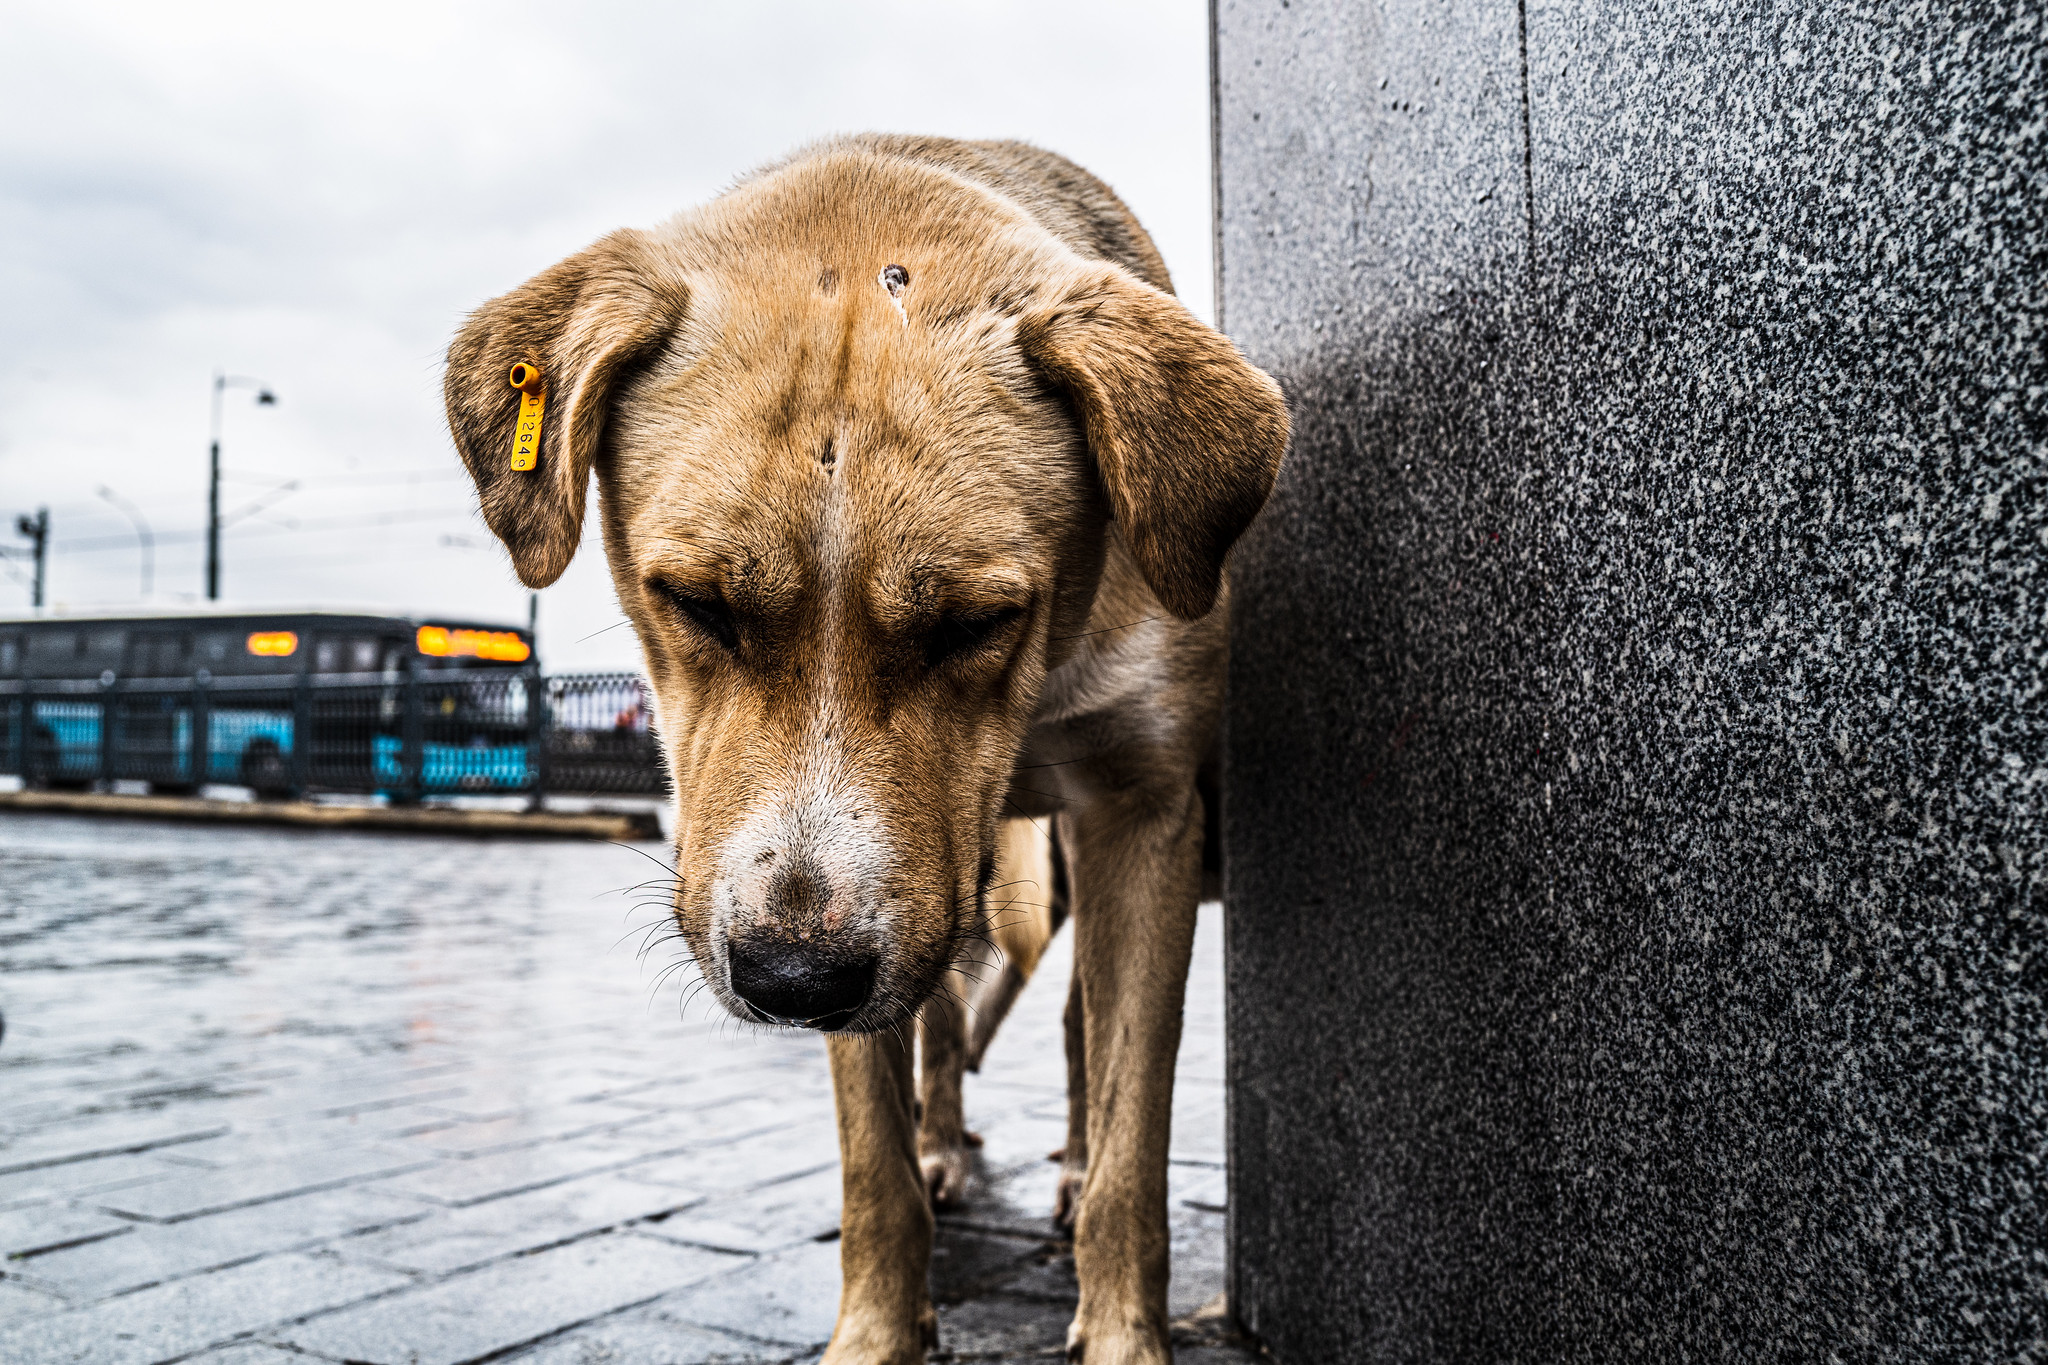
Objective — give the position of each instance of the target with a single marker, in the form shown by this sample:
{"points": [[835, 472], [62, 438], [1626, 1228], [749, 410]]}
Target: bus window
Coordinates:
{"points": [[55, 653], [103, 649], [160, 654], [10, 655], [217, 650], [74, 653], [345, 654]]}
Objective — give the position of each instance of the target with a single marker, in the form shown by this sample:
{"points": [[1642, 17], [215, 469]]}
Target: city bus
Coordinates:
{"points": [[280, 702]]}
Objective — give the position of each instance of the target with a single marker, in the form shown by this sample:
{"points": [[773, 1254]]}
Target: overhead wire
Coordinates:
{"points": [[89, 544]]}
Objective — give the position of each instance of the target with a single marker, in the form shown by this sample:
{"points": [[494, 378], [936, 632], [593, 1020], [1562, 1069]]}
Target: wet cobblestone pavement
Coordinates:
{"points": [[272, 1096]]}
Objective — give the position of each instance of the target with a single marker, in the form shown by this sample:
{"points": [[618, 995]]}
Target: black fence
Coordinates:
{"points": [[406, 736]]}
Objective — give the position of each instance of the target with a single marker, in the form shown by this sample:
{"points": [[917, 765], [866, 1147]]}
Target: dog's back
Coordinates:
{"points": [[1066, 200]]}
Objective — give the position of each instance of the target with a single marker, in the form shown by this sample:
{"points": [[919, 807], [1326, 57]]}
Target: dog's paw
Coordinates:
{"points": [[1131, 1346], [1066, 1204], [862, 1339], [945, 1176]]}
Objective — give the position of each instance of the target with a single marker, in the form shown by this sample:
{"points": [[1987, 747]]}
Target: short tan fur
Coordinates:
{"points": [[909, 553]]}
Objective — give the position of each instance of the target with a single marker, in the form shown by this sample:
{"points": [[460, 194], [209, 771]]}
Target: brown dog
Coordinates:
{"points": [[917, 485]]}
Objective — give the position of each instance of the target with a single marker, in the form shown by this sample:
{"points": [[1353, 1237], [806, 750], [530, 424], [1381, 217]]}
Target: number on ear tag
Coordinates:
{"points": [[533, 401]]}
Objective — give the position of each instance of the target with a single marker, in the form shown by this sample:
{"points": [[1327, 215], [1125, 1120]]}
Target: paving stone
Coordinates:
{"points": [[505, 1304], [964, 1262], [1197, 1271], [776, 1076], [792, 1296], [81, 1141], [210, 1191], [457, 1182], [1002, 1328], [187, 1315], [1203, 1187], [264, 1143], [640, 1338], [25, 1232], [1197, 1123], [1020, 1135], [18, 1301], [152, 1253], [739, 1119], [1017, 1200], [468, 1138], [485, 1102], [1218, 1355], [249, 1353], [763, 1160], [45, 1183], [357, 1102], [452, 1239], [781, 1215], [583, 1115], [154, 1090], [1047, 1276]]}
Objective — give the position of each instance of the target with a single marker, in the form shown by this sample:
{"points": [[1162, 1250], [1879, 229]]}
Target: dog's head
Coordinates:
{"points": [[858, 437]]}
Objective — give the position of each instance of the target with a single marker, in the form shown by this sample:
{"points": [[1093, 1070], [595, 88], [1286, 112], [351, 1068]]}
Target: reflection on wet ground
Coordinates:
{"points": [[269, 1095]]}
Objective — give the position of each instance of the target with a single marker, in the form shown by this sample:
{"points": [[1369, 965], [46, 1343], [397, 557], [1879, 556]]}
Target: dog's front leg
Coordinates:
{"points": [[1137, 874], [885, 1239]]}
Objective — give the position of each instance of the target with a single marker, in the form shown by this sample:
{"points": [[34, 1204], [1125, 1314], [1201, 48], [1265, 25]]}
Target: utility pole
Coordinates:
{"points": [[264, 398], [213, 508], [37, 529]]}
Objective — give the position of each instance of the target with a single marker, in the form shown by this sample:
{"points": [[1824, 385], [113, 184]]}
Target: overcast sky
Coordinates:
{"points": [[315, 196]]}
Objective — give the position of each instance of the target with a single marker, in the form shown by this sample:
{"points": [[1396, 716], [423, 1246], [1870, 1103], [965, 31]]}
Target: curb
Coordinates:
{"points": [[625, 826]]}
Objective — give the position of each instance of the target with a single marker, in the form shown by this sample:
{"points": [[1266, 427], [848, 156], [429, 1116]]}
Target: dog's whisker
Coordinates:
{"points": [[665, 867], [1059, 763], [1104, 630], [627, 890]]}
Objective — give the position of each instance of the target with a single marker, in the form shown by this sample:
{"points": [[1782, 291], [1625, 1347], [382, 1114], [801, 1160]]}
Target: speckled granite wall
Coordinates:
{"points": [[1638, 738]]}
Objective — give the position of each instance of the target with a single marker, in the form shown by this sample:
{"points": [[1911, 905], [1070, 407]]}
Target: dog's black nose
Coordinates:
{"points": [[796, 983]]}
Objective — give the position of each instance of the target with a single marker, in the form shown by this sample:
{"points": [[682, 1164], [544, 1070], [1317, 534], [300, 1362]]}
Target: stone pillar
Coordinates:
{"points": [[1638, 731]]}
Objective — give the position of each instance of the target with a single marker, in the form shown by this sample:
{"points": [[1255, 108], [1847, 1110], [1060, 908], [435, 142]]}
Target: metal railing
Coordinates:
{"points": [[406, 736]]}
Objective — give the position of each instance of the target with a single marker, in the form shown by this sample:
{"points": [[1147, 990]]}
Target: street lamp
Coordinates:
{"points": [[264, 398], [37, 529], [145, 539]]}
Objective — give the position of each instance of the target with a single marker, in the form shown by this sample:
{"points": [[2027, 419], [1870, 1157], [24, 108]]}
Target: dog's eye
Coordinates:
{"points": [[963, 633], [706, 614]]}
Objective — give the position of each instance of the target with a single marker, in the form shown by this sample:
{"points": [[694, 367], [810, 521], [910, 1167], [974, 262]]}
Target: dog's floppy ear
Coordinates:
{"points": [[1186, 434], [582, 322]]}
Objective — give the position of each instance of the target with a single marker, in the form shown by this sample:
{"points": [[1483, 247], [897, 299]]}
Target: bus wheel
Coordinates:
{"points": [[264, 769]]}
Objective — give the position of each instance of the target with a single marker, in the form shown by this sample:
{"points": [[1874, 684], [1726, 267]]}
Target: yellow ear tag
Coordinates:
{"points": [[533, 401]]}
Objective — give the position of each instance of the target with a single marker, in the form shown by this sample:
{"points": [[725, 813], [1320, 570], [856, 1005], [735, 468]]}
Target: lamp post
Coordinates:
{"points": [[264, 398], [37, 529], [145, 539]]}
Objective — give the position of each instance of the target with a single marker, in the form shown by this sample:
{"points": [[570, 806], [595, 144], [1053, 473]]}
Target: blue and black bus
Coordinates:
{"points": [[281, 702]]}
